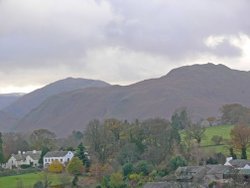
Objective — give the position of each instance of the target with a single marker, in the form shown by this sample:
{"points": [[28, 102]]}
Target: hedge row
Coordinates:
{"points": [[13, 172]]}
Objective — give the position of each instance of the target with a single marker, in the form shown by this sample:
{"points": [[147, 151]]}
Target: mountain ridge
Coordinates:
{"points": [[30, 101], [203, 89]]}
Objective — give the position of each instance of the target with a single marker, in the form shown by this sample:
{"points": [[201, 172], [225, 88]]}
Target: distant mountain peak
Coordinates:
{"points": [[190, 69], [32, 100]]}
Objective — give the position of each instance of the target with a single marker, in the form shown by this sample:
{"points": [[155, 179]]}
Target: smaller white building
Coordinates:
{"points": [[61, 156], [23, 158]]}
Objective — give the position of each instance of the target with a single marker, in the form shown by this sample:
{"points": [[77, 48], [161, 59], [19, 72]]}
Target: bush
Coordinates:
{"points": [[217, 158], [211, 160], [143, 167], [134, 177], [13, 172], [24, 166], [116, 180], [217, 139], [75, 166], [55, 167], [38, 184], [134, 180], [105, 181], [127, 169], [176, 162]]}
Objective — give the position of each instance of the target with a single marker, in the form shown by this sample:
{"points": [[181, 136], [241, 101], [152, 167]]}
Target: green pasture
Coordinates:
{"points": [[222, 130], [28, 180], [207, 143]]}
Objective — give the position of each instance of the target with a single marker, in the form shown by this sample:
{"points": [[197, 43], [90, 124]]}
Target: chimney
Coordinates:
{"points": [[229, 159]]}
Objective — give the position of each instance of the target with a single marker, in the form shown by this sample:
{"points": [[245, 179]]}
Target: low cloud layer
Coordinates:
{"points": [[115, 40]]}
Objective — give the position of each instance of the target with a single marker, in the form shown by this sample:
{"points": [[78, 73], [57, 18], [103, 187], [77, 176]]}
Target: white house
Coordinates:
{"points": [[23, 158], [62, 156]]}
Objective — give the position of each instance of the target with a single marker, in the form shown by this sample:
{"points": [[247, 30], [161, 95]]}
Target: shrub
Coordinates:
{"points": [[143, 167], [127, 169], [38, 184], [134, 179], [55, 167], [105, 181], [13, 172], [217, 139], [116, 180], [176, 162], [75, 166], [211, 160], [24, 166], [217, 158]]}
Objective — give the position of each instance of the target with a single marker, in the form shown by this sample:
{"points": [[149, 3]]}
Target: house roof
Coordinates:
{"points": [[190, 172], [199, 172], [18, 157], [244, 171], [217, 169], [239, 163], [169, 185], [35, 155], [56, 154]]}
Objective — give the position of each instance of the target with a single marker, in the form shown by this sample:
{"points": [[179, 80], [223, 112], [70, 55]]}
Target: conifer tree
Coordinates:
{"points": [[82, 155]]}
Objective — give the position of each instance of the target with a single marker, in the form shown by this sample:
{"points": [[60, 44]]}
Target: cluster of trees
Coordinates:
{"points": [[238, 115], [133, 152], [152, 139], [129, 152], [126, 153], [233, 114]]}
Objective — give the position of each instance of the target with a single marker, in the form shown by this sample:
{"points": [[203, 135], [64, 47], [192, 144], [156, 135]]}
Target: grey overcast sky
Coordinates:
{"points": [[118, 41]]}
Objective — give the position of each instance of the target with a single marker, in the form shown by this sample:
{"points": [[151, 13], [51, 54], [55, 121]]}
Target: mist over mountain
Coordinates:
{"points": [[32, 100], [7, 99], [203, 89]]}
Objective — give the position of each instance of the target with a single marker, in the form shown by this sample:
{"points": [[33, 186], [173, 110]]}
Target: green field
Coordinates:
{"points": [[223, 131], [28, 180]]}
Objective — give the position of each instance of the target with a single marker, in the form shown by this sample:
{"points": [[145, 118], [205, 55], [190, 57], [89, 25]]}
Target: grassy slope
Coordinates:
{"points": [[28, 180], [224, 131]]}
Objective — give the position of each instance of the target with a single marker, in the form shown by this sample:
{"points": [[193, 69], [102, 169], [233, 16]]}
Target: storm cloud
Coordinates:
{"points": [[115, 40]]}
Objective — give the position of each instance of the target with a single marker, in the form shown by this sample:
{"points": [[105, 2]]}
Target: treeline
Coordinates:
{"points": [[130, 153], [238, 115]]}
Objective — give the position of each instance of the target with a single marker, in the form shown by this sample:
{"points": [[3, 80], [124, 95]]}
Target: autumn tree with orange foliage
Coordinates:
{"points": [[240, 136], [55, 167]]}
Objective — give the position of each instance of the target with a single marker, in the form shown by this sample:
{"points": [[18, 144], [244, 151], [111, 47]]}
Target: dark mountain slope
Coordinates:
{"points": [[6, 121], [32, 100], [203, 89]]}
